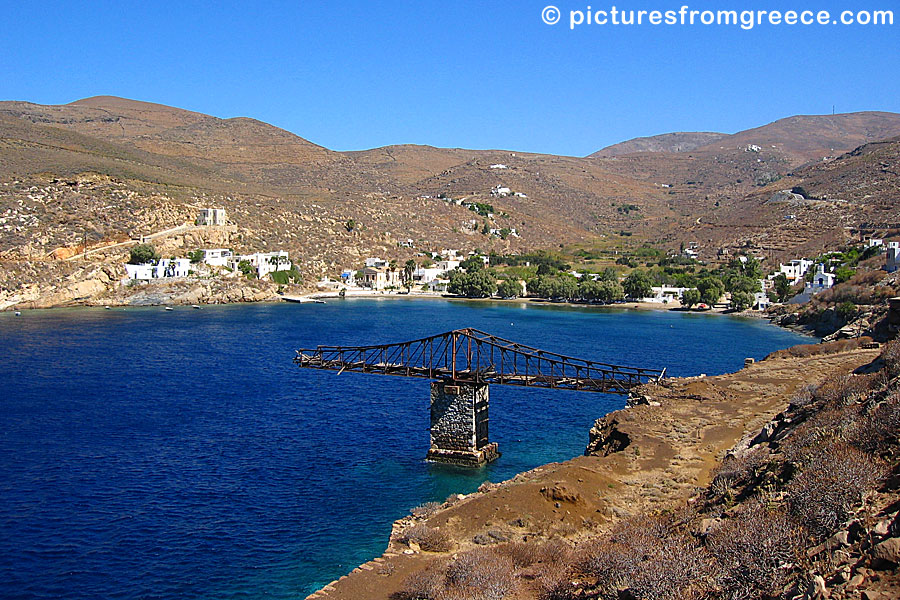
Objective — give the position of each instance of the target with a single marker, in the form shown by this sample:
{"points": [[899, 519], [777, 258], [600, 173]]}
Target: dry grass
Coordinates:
{"points": [[805, 350], [428, 538], [654, 558], [835, 479], [753, 551]]}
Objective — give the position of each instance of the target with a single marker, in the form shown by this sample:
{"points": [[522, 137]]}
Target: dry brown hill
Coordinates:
{"points": [[812, 137], [285, 191], [667, 142]]}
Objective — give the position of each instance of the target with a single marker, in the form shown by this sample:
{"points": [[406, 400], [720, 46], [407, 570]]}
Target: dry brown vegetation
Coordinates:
{"points": [[751, 534]]}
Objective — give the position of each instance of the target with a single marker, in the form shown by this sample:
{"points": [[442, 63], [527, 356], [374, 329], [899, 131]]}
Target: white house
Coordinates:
{"points": [[211, 216], [217, 257], [376, 263], [761, 301], [348, 277], [874, 243], [448, 264], [427, 275], [892, 262], [501, 191], [164, 269], [821, 280], [665, 294], [795, 269], [439, 286], [264, 262], [499, 166]]}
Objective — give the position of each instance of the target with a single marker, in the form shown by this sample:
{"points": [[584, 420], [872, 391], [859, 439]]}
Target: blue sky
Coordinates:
{"points": [[458, 73]]}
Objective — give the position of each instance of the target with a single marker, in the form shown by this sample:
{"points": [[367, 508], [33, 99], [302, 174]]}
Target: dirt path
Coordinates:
{"points": [[669, 450]]}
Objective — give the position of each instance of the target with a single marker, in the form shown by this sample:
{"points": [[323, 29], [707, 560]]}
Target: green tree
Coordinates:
{"points": [[847, 311], [590, 290], [407, 275], [248, 269], [741, 300], [142, 254], [711, 289], [609, 274], [690, 297], [509, 288], [782, 287], [545, 269], [473, 264], [843, 273], [637, 285], [350, 225], [611, 291], [743, 284], [196, 256], [472, 285]]}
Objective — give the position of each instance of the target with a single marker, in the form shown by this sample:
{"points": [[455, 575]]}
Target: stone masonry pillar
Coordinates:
{"points": [[459, 424]]}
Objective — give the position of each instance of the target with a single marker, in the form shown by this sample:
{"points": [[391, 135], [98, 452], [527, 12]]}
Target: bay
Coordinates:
{"points": [[181, 454]]}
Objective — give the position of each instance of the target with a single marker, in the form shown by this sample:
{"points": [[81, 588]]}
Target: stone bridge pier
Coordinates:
{"points": [[459, 424]]}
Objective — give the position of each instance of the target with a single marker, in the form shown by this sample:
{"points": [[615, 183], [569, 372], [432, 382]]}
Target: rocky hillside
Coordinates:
{"points": [[667, 142], [104, 170], [780, 480]]}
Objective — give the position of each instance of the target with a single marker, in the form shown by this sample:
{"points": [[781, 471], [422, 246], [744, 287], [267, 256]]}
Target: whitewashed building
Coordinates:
{"points": [[795, 269], [821, 280], [211, 216], [892, 257], [263, 262], [164, 269], [376, 263], [217, 257]]}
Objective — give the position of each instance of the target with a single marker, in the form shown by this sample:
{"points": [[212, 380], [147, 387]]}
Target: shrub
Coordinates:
{"points": [[426, 510], [804, 350], [753, 551], [737, 471], [481, 574], [891, 356], [878, 431], [422, 585], [428, 538], [521, 555], [142, 254], [835, 479], [651, 557]]}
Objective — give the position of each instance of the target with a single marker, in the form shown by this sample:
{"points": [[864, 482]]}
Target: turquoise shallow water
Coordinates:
{"points": [[181, 454]]}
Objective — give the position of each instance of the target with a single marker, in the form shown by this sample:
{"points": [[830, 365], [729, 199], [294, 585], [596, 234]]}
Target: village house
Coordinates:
{"points": [[892, 257], [381, 278], [423, 275], [501, 191], [263, 262], [665, 294], [164, 269], [761, 301], [217, 257], [376, 263], [211, 216], [348, 277], [795, 269]]}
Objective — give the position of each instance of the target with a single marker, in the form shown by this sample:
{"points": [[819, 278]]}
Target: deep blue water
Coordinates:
{"points": [[181, 454]]}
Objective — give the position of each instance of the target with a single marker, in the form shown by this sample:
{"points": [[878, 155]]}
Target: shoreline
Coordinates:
{"points": [[674, 443]]}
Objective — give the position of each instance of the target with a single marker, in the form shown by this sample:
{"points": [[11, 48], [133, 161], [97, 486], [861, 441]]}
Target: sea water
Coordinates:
{"points": [[181, 454]]}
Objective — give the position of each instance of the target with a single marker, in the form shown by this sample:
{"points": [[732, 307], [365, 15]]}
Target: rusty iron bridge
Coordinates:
{"points": [[461, 364]]}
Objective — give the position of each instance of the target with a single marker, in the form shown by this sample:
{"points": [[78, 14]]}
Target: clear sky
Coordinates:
{"points": [[354, 74]]}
